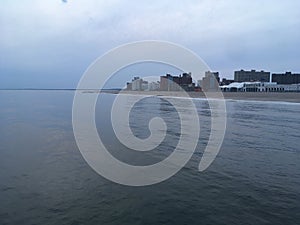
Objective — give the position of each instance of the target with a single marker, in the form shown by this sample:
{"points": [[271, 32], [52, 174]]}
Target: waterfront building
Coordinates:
{"points": [[136, 84], [210, 81], [286, 78], [153, 86], [174, 83], [250, 76], [144, 85], [129, 86], [260, 87], [274, 87], [226, 81]]}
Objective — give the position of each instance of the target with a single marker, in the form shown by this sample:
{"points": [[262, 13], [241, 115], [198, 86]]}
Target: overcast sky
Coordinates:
{"points": [[50, 43]]}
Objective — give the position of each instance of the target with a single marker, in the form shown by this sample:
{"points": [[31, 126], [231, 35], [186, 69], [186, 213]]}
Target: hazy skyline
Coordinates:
{"points": [[49, 44]]}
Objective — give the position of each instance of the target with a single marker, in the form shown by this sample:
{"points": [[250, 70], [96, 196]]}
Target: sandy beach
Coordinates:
{"points": [[264, 96], [255, 96]]}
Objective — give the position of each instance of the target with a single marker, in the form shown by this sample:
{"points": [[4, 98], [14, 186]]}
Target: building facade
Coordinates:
{"points": [[286, 78], [176, 83], [226, 81], [136, 84], [260, 87], [153, 86], [210, 81], [250, 76]]}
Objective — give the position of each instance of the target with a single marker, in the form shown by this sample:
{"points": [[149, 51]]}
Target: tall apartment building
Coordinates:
{"points": [[210, 81], [252, 75], [174, 83], [286, 78], [136, 84]]}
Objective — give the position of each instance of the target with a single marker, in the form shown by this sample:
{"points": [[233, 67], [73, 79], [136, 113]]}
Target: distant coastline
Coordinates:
{"points": [[254, 96]]}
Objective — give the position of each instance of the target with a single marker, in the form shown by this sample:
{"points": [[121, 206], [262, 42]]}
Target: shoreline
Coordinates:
{"points": [[293, 97]]}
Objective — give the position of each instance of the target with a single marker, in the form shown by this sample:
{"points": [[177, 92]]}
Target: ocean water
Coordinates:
{"points": [[44, 179]]}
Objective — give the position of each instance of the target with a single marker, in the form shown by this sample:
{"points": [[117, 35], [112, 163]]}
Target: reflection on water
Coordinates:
{"points": [[44, 179]]}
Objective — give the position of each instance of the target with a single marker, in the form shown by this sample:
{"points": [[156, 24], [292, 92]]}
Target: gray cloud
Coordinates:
{"points": [[227, 34]]}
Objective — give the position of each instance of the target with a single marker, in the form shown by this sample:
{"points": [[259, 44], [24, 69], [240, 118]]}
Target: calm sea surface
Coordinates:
{"points": [[44, 179]]}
